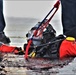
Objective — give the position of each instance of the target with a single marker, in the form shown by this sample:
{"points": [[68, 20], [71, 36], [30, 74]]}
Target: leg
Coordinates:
{"points": [[69, 17], [3, 38], [2, 21]]}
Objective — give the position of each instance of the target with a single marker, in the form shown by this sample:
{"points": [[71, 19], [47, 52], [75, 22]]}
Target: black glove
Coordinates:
{"points": [[20, 51]]}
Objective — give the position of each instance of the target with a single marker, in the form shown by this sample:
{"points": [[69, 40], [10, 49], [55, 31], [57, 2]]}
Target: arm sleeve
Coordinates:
{"points": [[6, 49], [67, 48]]}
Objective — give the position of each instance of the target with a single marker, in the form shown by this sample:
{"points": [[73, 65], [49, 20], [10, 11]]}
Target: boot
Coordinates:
{"points": [[4, 38]]}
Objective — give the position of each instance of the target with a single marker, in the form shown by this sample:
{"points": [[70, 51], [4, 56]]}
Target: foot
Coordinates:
{"points": [[4, 38]]}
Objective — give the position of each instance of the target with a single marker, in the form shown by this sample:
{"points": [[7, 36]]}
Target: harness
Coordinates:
{"points": [[48, 50]]}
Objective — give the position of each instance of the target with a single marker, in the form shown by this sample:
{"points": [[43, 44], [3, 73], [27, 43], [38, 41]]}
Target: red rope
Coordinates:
{"points": [[57, 4], [27, 48], [46, 24]]}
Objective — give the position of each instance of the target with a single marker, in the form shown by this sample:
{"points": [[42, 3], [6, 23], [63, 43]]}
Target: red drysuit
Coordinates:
{"points": [[67, 48]]}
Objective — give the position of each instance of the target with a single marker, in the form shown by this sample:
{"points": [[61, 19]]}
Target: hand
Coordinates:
{"points": [[19, 51]]}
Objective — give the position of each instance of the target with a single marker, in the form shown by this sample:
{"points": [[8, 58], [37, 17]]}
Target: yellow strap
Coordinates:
{"points": [[70, 38], [32, 54]]}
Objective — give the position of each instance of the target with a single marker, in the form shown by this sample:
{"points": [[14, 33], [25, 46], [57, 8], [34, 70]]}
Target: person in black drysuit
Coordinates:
{"points": [[3, 37], [69, 17]]}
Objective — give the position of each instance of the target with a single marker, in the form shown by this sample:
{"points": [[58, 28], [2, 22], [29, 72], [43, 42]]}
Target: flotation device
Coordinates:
{"points": [[70, 38]]}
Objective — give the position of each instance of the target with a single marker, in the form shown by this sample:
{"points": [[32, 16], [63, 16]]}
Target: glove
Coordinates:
{"points": [[60, 36], [19, 51]]}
